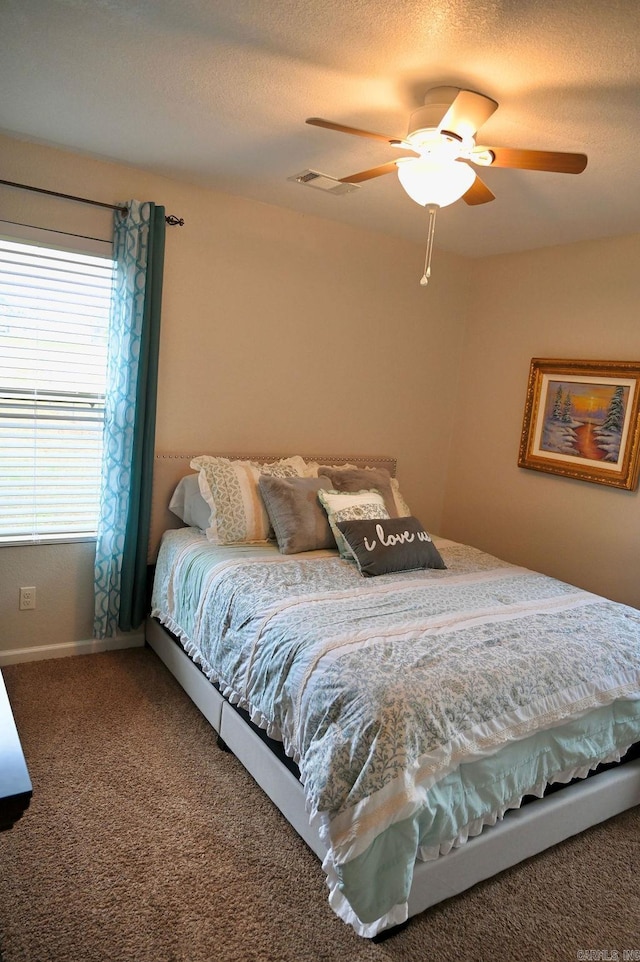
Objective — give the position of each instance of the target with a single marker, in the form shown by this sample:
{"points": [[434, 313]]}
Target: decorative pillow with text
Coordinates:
{"points": [[383, 546]]}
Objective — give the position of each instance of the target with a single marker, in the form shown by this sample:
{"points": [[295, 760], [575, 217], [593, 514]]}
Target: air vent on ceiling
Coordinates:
{"points": [[330, 185]]}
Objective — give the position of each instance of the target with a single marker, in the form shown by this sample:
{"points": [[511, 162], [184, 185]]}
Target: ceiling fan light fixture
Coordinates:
{"points": [[432, 182], [443, 133]]}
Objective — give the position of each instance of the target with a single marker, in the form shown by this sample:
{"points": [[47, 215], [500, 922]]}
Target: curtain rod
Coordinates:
{"points": [[171, 219]]}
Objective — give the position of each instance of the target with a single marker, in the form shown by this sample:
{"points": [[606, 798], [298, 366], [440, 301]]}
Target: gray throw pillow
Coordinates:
{"points": [[298, 519], [358, 479]]}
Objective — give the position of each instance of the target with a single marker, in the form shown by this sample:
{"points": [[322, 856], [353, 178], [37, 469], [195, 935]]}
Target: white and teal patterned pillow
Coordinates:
{"points": [[230, 488], [351, 506]]}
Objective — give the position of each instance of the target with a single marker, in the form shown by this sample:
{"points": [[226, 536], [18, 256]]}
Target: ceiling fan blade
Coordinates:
{"points": [[550, 160], [369, 174], [468, 113], [319, 122], [478, 193]]}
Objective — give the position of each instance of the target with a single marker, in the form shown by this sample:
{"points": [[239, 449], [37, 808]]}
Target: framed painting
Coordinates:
{"points": [[582, 420]]}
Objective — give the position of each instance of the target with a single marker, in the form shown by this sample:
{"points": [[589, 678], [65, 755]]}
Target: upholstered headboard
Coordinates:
{"points": [[169, 468]]}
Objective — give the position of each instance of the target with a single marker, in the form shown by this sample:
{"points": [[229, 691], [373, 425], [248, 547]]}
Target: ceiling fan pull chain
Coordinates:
{"points": [[433, 209]]}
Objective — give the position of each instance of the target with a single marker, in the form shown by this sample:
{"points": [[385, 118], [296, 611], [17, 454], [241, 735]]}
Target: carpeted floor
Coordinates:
{"points": [[145, 843]]}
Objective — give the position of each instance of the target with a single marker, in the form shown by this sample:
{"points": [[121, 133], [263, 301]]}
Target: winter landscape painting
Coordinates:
{"points": [[582, 420]]}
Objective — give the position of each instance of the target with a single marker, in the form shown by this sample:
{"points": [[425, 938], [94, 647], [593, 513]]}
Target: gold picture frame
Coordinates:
{"points": [[582, 420]]}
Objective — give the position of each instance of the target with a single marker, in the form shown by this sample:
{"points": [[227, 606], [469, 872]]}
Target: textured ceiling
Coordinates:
{"points": [[216, 92]]}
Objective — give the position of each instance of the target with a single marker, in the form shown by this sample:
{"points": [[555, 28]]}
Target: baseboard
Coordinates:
{"points": [[67, 648]]}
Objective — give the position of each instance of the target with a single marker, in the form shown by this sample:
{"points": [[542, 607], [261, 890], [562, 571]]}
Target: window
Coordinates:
{"points": [[54, 316]]}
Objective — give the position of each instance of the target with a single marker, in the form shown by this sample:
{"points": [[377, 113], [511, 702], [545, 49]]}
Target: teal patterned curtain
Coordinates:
{"points": [[130, 414]]}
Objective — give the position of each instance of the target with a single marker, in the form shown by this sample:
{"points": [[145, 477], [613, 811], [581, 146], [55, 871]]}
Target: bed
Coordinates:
{"points": [[410, 720]]}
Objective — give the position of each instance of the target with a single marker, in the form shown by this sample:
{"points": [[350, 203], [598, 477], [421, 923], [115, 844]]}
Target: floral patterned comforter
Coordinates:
{"points": [[418, 706]]}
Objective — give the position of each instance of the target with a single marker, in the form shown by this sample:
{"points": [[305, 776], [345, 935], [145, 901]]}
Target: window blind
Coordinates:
{"points": [[54, 316]]}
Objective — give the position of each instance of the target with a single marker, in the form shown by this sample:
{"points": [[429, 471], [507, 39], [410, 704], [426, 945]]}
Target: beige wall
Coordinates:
{"points": [[577, 301], [280, 333]]}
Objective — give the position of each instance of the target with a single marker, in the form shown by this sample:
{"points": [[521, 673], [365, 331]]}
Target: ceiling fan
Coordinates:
{"points": [[441, 137]]}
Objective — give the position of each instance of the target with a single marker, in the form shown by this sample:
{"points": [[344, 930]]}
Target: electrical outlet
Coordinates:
{"points": [[27, 599]]}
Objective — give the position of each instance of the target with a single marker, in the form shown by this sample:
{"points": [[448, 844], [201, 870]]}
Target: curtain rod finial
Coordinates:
{"points": [[174, 221]]}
